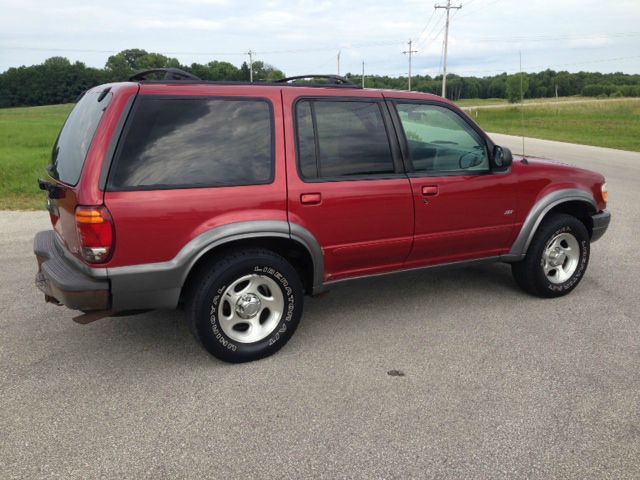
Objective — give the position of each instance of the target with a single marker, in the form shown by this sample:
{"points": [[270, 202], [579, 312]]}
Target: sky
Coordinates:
{"points": [[486, 37]]}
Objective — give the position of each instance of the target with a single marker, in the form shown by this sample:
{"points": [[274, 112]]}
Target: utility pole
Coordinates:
{"points": [[448, 7], [250, 53], [410, 52], [363, 74], [338, 62]]}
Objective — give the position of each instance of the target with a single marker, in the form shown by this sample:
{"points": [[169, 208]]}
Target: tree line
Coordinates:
{"points": [[548, 83], [57, 80]]}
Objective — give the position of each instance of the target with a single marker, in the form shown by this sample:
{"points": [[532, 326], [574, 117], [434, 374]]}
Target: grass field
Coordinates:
{"points": [[472, 102], [26, 138], [27, 135], [482, 102], [603, 124]]}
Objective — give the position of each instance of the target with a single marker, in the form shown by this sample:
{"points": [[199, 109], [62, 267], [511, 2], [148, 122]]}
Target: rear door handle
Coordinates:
{"points": [[428, 190], [310, 198]]}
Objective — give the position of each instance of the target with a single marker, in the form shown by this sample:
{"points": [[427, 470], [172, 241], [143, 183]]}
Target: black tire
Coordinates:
{"points": [[204, 303], [530, 272]]}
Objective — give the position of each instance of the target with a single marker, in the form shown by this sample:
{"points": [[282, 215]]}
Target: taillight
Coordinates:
{"points": [[95, 232]]}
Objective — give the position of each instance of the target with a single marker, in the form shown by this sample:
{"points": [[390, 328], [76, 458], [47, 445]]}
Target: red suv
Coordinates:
{"points": [[236, 200]]}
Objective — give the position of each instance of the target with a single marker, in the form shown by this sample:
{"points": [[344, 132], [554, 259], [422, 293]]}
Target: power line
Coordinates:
{"points": [[478, 8], [433, 13], [524, 38], [220, 54], [428, 38]]}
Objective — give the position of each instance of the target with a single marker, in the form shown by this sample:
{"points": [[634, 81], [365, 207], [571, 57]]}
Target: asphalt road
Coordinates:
{"points": [[497, 384]]}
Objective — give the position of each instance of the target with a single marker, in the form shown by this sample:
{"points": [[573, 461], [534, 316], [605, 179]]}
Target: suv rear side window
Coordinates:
{"points": [[74, 140], [195, 142], [342, 139]]}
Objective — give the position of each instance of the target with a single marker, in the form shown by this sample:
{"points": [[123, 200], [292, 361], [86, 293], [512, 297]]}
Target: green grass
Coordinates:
{"points": [[26, 139], [483, 102], [472, 102], [602, 124]]}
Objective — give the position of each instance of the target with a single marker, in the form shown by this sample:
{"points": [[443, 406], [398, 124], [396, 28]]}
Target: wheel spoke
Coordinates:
{"points": [[232, 319], [231, 297], [562, 274]]}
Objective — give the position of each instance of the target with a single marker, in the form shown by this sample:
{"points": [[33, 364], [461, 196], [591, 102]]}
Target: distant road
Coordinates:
{"points": [[537, 104]]}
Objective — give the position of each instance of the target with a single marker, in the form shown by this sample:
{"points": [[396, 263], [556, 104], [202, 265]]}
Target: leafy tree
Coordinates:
{"points": [[122, 65], [244, 72], [130, 57], [517, 87]]}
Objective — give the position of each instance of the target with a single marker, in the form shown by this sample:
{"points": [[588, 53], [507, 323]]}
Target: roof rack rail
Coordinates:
{"points": [[169, 74], [331, 79]]}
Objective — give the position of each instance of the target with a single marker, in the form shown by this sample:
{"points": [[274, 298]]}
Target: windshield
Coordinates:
{"points": [[74, 140]]}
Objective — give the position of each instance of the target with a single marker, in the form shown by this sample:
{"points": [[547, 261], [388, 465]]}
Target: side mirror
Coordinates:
{"points": [[469, 160], [502, 158]]}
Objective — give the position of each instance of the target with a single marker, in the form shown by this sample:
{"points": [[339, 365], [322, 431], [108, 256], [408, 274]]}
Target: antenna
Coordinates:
{"points": [[522, 108]]}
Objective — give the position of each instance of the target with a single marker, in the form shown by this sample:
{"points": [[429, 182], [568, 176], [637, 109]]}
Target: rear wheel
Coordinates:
{"points": [[557, 257], [246, 306]]}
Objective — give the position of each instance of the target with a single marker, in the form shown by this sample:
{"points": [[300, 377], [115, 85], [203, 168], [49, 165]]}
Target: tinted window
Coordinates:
{"points": [[72, 145], [440, 141], [195, 142], [351, 139]]}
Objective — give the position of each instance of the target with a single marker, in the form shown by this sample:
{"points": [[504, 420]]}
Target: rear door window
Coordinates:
{"points": [[195, 142], [74, 140], [342, 139]]}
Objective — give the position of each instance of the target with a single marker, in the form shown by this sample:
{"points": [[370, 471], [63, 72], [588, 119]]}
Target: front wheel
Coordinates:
{"points": [[557, 258], [246, 306]]}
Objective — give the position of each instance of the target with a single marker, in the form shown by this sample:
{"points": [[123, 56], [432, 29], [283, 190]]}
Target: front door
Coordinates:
{"points": [[463, 209]]}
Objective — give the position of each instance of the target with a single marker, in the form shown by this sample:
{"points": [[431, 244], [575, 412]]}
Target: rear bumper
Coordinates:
{"points": [[600, 224], [62, 282]]}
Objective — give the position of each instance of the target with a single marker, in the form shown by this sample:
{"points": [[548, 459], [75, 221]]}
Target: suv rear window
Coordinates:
{"points": [[74, 140], [195, 142]]}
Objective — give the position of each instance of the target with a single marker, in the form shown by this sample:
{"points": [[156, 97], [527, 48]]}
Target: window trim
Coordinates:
{"points": [[394, 148], [130, 121], [404, 146]]}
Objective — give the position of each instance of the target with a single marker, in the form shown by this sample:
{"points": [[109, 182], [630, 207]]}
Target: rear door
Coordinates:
{"points": [[346, 183], [192, 158]]}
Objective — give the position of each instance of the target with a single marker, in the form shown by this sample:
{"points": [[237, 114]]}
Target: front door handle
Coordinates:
{"points": [[310, 198], [428, 190]]}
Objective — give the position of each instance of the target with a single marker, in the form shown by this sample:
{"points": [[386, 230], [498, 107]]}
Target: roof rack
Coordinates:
{"points": [[331, 79], [169, 74], [172, 75]]}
